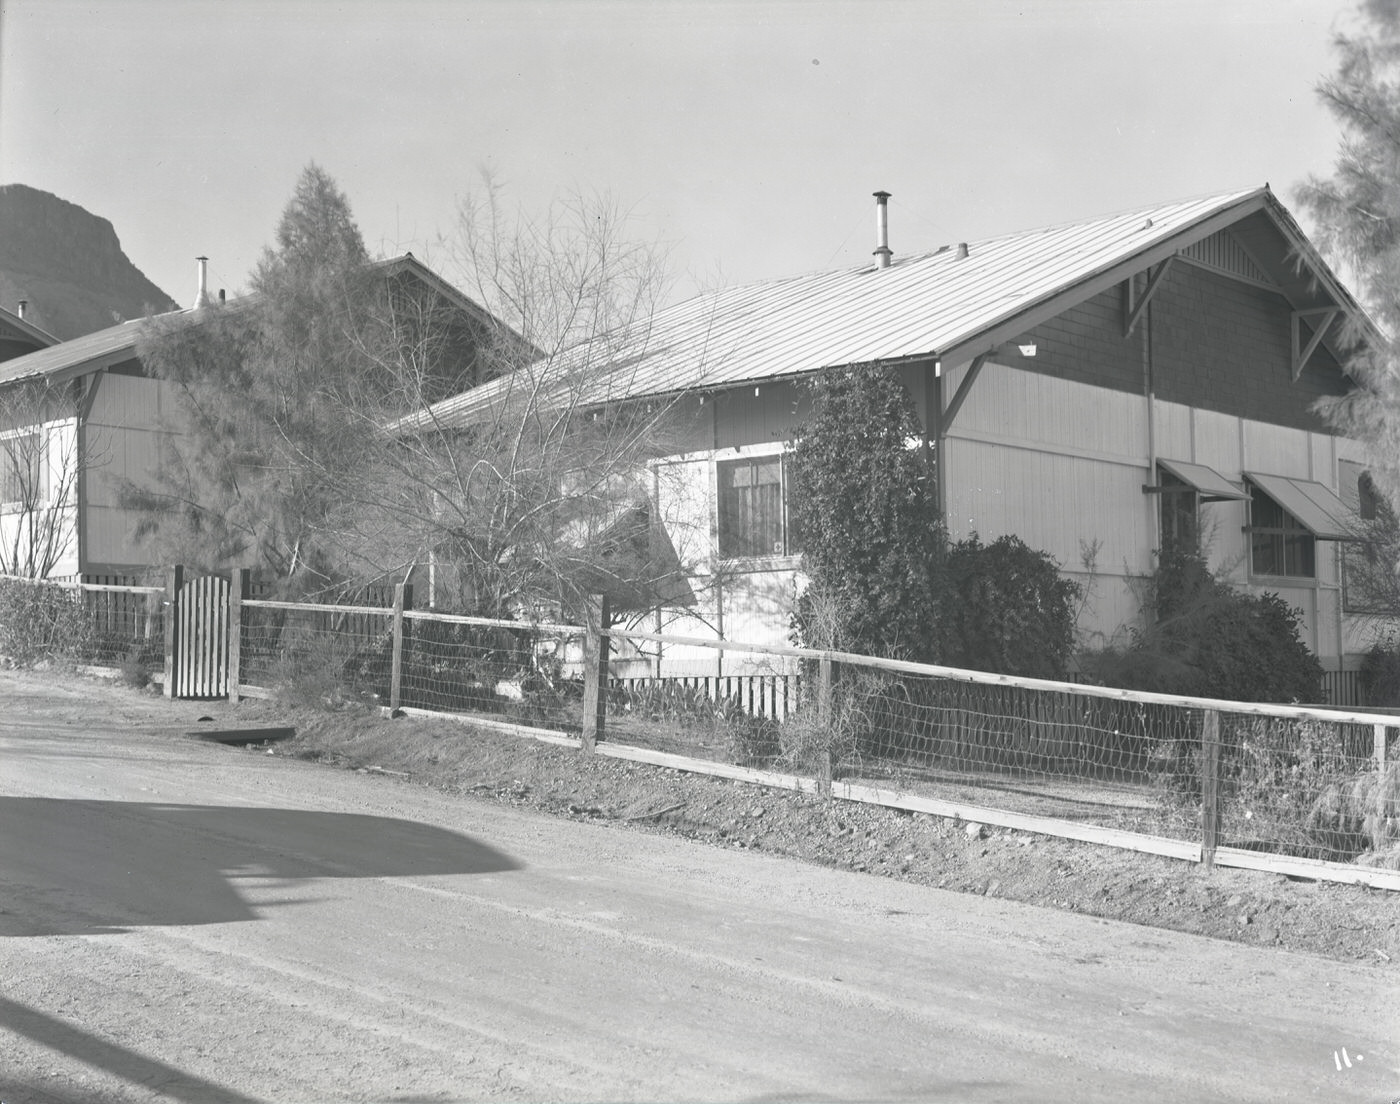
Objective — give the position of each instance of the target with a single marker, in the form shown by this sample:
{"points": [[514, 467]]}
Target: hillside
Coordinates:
{"points": [[68, 264]]}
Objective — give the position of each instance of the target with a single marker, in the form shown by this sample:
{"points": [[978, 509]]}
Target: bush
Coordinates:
{"points": [[42, 622], [1007, 609], [1380, 672], [1204, 638]]}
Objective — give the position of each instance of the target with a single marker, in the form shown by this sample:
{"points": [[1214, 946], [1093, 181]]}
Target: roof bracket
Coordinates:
{"points": [[961, 394], [1327, 314], [1133, 311]]}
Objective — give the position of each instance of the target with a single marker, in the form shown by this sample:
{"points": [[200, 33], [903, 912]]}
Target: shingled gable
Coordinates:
{"points": [[948, 306]]}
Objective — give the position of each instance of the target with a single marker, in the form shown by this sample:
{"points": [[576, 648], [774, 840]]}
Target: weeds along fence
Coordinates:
{"points": [[1305, 791]]}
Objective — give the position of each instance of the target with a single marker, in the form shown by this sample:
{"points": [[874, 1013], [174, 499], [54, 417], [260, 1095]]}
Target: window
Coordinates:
{"points": [[1279, 544], [752, 510], [1180, 524], [22, 472]]}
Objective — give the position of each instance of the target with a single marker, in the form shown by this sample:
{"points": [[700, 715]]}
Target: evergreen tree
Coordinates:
{"points": [[279, 390], [1356, 212]]}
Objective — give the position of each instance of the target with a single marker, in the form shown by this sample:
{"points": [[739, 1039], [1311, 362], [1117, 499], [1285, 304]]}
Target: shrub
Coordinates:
{"points": [[1204, 638], [1007, 609], [42, 622], [1380, 672]]}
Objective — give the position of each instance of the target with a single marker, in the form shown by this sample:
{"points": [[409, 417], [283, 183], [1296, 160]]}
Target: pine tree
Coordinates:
{"points": [[278, 390], [1356, 212]]}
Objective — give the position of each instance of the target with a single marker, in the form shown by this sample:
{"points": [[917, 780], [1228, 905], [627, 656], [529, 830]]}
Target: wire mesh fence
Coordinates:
{"points": [[322, 654], [1306, 783], [527, 673]]}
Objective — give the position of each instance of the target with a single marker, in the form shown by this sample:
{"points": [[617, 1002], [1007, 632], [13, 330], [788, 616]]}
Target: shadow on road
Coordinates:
{"points": [[94, 867], [127, 1064]]}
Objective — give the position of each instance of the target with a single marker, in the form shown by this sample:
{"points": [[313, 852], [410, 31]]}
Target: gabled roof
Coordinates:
{"points": [[78, 357], [949, 305], [117, 344], [20, 329]]}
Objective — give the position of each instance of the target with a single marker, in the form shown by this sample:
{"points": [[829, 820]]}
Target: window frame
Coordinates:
{"points": [[10, 478], [1178, 501], [724, 549], [1291, 530]]}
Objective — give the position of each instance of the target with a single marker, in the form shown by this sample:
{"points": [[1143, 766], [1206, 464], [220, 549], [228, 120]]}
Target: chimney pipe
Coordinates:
{"points": [[882, 230], [201, 298], [23, 307]]}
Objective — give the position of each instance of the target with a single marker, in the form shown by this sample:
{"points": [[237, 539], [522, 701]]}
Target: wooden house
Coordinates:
{"points": [[103, 418], [1095, 389]]}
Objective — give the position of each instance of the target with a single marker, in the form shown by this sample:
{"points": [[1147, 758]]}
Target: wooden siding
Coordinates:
{"points": [[1212, 341], [130, 415]]}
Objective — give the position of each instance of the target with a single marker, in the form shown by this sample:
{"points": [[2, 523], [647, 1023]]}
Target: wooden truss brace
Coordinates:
{"points": [[1133, 311], [1327, 314], [961, 394]]}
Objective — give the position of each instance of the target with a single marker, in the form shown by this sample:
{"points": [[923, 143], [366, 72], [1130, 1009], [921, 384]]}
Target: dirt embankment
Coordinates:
{"points": [[1346, 922]]}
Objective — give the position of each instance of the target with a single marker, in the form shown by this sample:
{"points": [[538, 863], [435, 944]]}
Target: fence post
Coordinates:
{"points": [[1210, 786], [174, 580], [1378, 747], [826, 675], [236, 593], [402, 597], [595, 672]]}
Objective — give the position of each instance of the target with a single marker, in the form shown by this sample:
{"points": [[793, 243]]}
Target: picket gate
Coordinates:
{"points": [[199, 648]]}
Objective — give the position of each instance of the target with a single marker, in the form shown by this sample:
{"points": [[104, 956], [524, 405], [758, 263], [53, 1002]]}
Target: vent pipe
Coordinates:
{"points": [[882, 230], [23, 307], [201, 298]]}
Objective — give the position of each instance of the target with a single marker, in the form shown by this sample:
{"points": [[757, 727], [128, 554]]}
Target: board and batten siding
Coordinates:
{"points": [[1062, 464], [130, 415]]}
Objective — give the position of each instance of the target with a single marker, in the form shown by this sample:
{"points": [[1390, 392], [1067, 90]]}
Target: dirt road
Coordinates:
{"points": [[185, 921]]}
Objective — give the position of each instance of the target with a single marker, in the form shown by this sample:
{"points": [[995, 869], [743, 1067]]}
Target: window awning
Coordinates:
{"points": [[1208, 483], [1322, 513]]}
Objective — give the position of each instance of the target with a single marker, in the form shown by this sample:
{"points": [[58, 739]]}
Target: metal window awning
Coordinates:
{"points": [[1321, 512], [1207, 482]]}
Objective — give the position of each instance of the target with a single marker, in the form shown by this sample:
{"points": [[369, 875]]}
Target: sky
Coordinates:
{"points": [[745, 136]]}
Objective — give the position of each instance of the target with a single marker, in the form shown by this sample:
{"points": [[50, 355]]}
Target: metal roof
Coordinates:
{"points": [[24, 330], [1322, 513], [77, 357], [116, 344], [951, 304], [1209, 483]]}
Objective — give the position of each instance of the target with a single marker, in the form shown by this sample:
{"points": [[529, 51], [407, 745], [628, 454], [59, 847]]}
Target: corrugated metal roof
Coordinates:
{"points": [[920, 307]]}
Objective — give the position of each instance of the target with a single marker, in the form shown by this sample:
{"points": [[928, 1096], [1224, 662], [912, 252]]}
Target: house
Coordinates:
{"points": [[19, 336], [1093, 388], [85, 418]]}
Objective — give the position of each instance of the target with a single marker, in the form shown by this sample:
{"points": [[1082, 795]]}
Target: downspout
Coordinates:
{"points": [[1154, 514], [935, 444]]}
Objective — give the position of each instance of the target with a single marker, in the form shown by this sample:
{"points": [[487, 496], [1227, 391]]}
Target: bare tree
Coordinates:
{"points": [[40, 465], [537, 488]]}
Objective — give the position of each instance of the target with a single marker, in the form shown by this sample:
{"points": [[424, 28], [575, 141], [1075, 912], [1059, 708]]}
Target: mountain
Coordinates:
{"points": [[69, 265]]}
